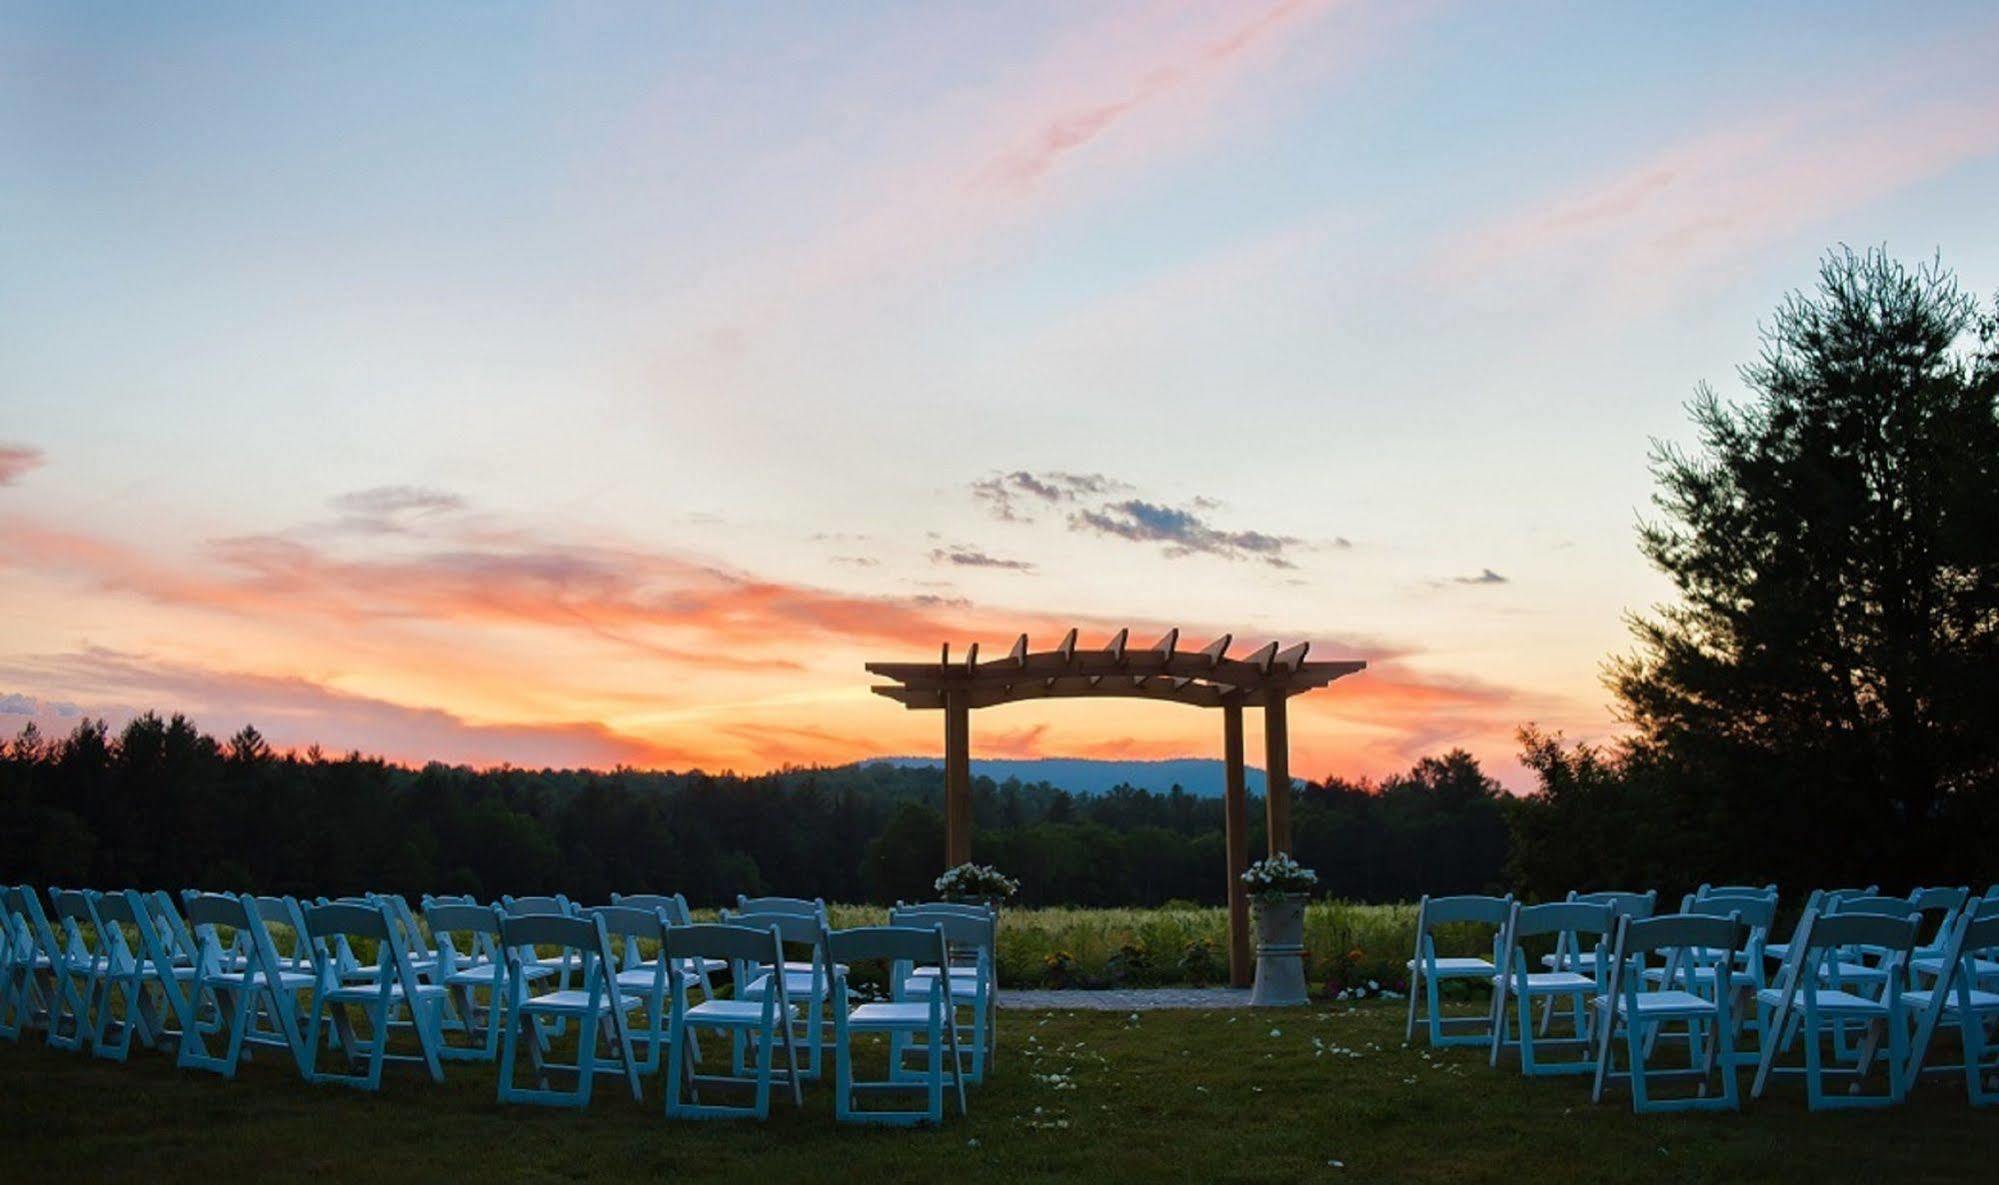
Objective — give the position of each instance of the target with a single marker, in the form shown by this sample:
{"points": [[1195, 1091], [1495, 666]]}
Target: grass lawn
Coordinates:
{"points": [[1172, 1096]]}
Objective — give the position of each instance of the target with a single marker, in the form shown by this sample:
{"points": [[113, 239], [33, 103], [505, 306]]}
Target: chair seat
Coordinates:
{"points": [[1456, 968], [1547, 982], [963, 987], [796, 984], [1982, 968], [291, 981], [1662, 1004], [488, 974], [1580, 961], [689, 966], [148, 969], [1831, 1001], [1702, 976], [364, 993], [1982, 1002], [642, 978], [890, 1016], [575, 1001], [733, 1013]]}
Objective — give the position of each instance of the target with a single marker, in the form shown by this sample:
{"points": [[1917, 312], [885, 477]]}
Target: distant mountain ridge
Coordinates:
{"points": [[1202, 776]]}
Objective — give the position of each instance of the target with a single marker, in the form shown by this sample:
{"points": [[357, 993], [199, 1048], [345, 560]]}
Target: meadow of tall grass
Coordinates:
{"points": [[1349, 946]]}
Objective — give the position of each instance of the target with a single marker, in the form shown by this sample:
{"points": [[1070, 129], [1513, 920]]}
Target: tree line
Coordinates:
{"points": [[162, 804]]}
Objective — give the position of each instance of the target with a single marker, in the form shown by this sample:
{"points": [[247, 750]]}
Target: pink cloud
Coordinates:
{"points": [[1692, 207], [17, 460]]}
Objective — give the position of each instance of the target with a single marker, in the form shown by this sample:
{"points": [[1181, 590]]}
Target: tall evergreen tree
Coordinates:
{"points": [[1830, 672]]}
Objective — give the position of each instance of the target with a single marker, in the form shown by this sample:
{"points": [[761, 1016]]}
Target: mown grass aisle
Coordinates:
{"points": [[1170, 1096]]}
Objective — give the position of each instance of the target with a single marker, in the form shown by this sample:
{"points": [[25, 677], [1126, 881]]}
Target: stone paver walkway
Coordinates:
{"points": [[1125, 999]]}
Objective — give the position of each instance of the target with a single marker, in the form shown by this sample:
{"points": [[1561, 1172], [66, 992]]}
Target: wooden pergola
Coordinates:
{"points": [[1204, 678]]}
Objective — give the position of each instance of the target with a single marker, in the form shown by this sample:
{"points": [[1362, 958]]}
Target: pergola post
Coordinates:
{"points": [[957, 779], [1277, 773], [1235, 813]]}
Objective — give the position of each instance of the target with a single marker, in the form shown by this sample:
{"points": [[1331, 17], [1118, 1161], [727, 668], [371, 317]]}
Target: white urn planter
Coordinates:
{"points": [[1280, 952]]}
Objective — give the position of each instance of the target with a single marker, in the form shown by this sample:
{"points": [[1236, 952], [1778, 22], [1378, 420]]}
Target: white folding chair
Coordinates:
{"points": [[1428, 971], [263, 990], [133, 978], [1956, 1000], [391, 986], [971, 942], [1809, 1005], [1571, 925], [808, 983], [1637, 1009], [931, 1015], [598, 1006], [480, 966], [764, 1023], [629, 929]]}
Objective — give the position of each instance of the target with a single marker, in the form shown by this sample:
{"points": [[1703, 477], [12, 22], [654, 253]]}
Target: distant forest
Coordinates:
{"points": [[161, 804]]}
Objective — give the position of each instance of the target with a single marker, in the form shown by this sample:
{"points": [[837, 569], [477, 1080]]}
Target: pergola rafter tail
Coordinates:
{"points": [[1204, 678]]}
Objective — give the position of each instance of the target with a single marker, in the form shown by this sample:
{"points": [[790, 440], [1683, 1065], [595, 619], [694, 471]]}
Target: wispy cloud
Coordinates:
{"points": [[1487, 576], [1183, 531], [17, 460], [1688, 208], [385, 509], [971, 557], [1005, 494]]}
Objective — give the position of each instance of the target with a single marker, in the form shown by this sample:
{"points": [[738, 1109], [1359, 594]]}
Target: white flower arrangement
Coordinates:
{"points": [[977, 881], [1278, 877]]}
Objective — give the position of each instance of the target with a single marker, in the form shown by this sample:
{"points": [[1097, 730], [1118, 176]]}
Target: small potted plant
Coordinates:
{"points": [[1279, 888], [979, 884]]}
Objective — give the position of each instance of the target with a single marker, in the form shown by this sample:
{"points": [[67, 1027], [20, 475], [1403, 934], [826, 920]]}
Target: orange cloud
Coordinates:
{"points": [[461, 642], [296, 713]]}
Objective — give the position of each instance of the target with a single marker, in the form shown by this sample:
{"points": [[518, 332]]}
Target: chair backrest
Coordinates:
{"points": [[1893, 935], [332, 929], [1755, 912], [71, 910], [672, 904], [1623, 902], [803, 929], [1683, 939], [1443, 911], [1940, 898], [478, 924], [624, 921], [1886, 907], [734, 943], [1707, 890], [205, 911], [813, 907], [962, 931], [913, 944], [286, 912], [523, 906], [1582, 919]]}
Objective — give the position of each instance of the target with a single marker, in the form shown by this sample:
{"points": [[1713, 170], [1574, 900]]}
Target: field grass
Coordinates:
{"points": [[1275, 1096], [1347, 943]]}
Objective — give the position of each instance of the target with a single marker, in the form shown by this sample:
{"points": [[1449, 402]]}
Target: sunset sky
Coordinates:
{"points": [[544, 385]]}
